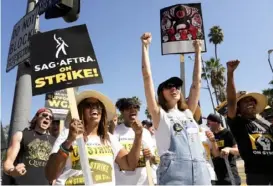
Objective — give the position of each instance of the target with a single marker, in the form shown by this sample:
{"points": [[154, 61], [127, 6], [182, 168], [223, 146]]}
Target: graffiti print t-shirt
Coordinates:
{"points": [[255, 143], [101, 161], [126, 137]]}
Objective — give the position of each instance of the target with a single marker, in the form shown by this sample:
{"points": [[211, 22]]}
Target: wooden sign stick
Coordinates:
{"points": [[149, 172], [82, 150]]}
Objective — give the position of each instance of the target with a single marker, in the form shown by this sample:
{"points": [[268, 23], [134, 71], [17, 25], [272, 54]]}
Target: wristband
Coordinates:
{"points": [[65, 149]]}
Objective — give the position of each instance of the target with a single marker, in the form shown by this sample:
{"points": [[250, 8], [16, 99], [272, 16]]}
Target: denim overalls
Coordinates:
{"points": [[184, 163]]}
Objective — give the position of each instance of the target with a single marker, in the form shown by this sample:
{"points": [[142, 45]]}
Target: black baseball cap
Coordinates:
{"points": [[214, 118], [173, 80]]}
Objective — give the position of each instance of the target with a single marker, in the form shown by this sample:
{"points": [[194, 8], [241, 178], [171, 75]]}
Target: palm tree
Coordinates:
{"points": [[269, 93], [120, 119], [215, 72], [148, 115], [216, 36]]}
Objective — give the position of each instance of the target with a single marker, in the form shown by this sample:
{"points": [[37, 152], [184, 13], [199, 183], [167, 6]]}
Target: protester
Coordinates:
{"points": [[228, 148], [129, 109], [29, 151], [253, 135], [55, 128], [181, 152], [112, 124], [103, 149]]}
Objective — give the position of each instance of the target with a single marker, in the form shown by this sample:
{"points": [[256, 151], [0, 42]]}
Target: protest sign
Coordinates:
{"points": [[181, 24], [58, 102], [63, 58]]}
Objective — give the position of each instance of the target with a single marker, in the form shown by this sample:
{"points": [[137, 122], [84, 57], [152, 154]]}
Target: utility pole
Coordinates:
{"points": [[182, 74], [23, 90]]}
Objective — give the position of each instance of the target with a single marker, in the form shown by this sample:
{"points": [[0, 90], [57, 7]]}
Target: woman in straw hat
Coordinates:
{"points": [[103, 149], [179, 145], [253, 135]]}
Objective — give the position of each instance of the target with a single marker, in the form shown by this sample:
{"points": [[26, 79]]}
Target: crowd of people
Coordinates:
{"points": [[179, 149]]}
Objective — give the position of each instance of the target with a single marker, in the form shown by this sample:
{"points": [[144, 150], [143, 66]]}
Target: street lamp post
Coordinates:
{"points": [[269, 52]]}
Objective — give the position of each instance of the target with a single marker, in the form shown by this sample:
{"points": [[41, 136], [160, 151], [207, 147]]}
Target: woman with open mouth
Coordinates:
{"points": [[103, 149], [182, 159]]}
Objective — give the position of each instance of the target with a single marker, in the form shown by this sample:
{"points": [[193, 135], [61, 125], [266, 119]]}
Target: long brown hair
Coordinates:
{"points": [[103, 127], [181, 104]]}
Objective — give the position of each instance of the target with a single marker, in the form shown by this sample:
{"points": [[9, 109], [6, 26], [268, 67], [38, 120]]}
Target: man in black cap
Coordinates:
{"points": [[228, 148]]}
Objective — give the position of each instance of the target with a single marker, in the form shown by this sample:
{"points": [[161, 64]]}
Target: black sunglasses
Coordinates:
{"points": [[96, 105], [45, 115], [170, 86]]}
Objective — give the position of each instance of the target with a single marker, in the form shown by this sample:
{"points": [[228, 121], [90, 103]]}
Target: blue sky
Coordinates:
{"points": [[115, 28]]}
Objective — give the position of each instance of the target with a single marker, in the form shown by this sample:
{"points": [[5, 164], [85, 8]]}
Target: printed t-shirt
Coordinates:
{"points": [[126, 136], [208, 147], [101, 160], [224, 139], [255, 143]]}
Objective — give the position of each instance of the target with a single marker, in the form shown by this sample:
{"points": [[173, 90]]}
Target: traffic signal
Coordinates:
{"points": [[67, 9]]}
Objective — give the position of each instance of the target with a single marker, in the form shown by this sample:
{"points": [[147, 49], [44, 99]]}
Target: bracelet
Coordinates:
{"points": [[64, 154], [63, 150]]}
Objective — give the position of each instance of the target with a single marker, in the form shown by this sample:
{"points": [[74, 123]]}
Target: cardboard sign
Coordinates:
{"points": [[181, 24], [58, 102], [63, 58]]}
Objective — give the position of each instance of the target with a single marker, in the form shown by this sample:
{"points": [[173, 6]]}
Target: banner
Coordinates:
{"points": [[62, 59], [181, 24], [58, 102]]}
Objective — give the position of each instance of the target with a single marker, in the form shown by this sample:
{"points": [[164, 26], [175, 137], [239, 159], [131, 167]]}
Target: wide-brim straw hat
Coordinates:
{"points": [[261, 100], [108, 104]]}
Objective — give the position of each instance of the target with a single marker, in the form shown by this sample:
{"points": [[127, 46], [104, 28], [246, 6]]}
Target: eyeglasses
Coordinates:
{"points": [[45, 115]]}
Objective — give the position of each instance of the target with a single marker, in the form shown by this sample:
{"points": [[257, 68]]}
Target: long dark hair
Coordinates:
{"points": [[103, 127], [181, 104]]}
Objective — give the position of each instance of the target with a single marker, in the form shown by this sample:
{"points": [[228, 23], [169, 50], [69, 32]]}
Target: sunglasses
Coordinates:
{"points": [[45, 115], [92, 105], [170, 86]]}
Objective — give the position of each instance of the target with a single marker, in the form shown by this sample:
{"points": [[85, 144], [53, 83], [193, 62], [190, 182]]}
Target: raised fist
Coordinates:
{"points": [[232, 65], [146, 38]]}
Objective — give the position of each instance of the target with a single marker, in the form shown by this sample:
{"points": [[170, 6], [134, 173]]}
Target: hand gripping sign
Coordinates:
{"points": [[82, 151]]}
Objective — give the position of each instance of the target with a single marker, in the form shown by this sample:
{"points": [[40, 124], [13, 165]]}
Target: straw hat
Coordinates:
{"points": [[260, 99], [108, 104]]}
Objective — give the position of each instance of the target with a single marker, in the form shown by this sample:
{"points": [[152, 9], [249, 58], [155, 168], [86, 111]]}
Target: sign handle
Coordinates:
{"points": [[82, 150], [149, 172]]}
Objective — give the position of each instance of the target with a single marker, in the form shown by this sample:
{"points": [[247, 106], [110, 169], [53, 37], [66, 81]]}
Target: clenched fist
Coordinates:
{"points": [[232, 65], [137, 127], [210, 136], [197, 45], [19, 170], [75, 128], [146, 38]]}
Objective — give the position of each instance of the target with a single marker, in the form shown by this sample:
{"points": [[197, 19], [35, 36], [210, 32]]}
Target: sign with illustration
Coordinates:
{"points": [[181, 24], [63, 58]]}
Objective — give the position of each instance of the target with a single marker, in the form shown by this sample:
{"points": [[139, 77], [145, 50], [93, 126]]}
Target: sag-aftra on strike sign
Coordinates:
{"points": [[19, 44], [62, 59]]}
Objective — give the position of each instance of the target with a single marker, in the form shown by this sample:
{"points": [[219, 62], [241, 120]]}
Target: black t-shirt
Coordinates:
{"points": [[255, 144], [34, 152], [224, 139]]}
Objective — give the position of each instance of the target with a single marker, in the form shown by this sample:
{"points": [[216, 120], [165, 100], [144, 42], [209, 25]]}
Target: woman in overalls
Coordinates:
{"points": [[182, 159]]}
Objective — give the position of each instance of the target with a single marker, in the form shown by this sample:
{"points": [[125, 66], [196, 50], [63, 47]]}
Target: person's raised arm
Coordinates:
{"points": [[12, 153], [196, 78], [129, 160], [231, 91], [153, 107]]}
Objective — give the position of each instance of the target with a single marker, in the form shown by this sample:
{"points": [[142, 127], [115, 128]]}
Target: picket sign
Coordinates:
{"points": [[231, 177], [149, 172], [148, 168], [82, 150]]}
